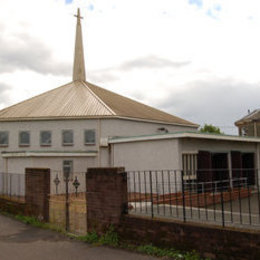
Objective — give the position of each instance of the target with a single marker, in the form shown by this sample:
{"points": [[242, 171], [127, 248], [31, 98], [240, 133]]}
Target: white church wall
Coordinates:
{"points": [[162, 157], [104, 128], [80, 165], [56, 127], [123, 127]]}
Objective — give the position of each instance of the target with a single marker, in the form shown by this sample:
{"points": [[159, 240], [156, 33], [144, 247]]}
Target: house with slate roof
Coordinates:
{"points": [[249, 125]]}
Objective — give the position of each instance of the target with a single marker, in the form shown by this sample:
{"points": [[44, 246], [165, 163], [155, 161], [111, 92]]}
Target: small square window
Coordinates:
{"points": [[45, 138], [4, 138], [67, 137], [24, 138], [90, 136], [67, 169]]}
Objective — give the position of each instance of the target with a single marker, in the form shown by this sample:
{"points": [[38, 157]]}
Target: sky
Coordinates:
{"points": [[197, 59]]}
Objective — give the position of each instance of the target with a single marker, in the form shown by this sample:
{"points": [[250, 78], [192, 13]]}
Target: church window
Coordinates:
{"points": [[45, 138], [4, 138], [67, 137], [90, 136], [67, 169], [24, 138]]}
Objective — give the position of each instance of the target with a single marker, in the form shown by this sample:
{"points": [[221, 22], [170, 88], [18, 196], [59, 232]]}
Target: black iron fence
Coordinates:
{"points": [[217, 196], [12, 186]]}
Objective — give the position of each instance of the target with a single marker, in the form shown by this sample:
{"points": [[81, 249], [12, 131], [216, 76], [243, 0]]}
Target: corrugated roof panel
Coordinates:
{"points": [[70, 100], [83, 99], [127, 107]]}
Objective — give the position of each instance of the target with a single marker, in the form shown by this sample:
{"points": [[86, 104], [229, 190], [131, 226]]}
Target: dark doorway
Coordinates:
{"points": [[220, 175], [204, 172], [248, 165], [243, 168]]}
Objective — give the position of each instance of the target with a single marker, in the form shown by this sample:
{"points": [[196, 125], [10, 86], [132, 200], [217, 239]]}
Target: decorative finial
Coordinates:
{"points": [[79, 63]]}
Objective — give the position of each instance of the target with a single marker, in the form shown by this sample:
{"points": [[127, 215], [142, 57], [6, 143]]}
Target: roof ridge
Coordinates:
{"points": [[98, 98], [26, 100]]}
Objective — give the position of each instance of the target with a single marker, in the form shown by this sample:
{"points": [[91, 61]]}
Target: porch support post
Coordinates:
{"points": [[257, 163], [230, 170]]}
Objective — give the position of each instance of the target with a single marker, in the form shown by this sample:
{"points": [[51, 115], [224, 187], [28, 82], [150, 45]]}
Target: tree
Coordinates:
{"points": [[210, 129]]}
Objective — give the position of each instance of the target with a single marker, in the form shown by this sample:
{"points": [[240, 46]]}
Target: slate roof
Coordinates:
{"points": [[251, 117]]}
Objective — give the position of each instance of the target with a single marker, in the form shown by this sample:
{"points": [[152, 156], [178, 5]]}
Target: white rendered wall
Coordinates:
{"points": [[160, 157], [120, 127], [147, 155], [104, 128], [56, 127]]}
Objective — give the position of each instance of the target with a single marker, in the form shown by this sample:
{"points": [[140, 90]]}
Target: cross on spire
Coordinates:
{"points": [[78, 15], [79, 63]]}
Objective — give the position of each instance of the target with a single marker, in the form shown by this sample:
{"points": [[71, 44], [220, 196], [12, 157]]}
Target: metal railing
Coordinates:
{"points": [[214, 196], [12, 186]]}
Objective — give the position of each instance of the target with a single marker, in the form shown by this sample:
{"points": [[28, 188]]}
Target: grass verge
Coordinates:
{"points": [[111, 238]]}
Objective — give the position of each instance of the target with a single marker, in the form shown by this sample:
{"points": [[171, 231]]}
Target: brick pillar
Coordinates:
{"points": [[37, 190], [106, 197]]}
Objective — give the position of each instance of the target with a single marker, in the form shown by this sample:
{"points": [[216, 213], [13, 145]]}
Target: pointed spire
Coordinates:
{"points": [[79, 63]]}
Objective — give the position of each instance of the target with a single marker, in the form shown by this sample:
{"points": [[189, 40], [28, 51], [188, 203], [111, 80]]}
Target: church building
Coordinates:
{"points": [[80, 125], [69, 127]]}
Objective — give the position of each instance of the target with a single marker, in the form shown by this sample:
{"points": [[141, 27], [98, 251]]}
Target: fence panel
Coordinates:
{"points": [[214, 196], [12, 186]]}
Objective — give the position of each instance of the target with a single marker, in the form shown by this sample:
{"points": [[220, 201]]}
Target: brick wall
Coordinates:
{"points": [[37, 190], [210, 241], [13, 207], [106, 197], [106, 204]]}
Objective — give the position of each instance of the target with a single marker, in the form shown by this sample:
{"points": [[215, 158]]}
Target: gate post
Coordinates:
{"points": [[37, 190], [106, 197]]}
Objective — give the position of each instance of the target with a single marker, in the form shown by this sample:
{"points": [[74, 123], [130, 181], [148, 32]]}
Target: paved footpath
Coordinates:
{"points": [[19, 241]]}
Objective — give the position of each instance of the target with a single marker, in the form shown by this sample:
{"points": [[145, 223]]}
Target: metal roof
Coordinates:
{"points": [[80, 99]]}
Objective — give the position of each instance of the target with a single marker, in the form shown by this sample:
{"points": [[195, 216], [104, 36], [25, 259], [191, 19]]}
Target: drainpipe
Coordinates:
{"points": [[230, 170], [5, 176], [99, 150]]}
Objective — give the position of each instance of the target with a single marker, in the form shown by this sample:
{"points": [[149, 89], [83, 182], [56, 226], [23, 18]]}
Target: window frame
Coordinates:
{"points": [[7, 134], [70, 175], [45, 144], [20, 139], [95, 140], [190, 164], [63, 132]]}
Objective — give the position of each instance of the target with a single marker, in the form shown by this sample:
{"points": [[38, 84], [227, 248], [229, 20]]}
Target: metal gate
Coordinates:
{"points": [[68, 201]]}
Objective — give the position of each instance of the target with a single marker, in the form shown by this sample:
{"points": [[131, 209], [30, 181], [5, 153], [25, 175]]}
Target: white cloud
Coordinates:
{"points": [[123, 34]]}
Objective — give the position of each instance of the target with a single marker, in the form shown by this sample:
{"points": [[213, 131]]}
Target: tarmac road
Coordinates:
{"points": [[19, 241]]}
